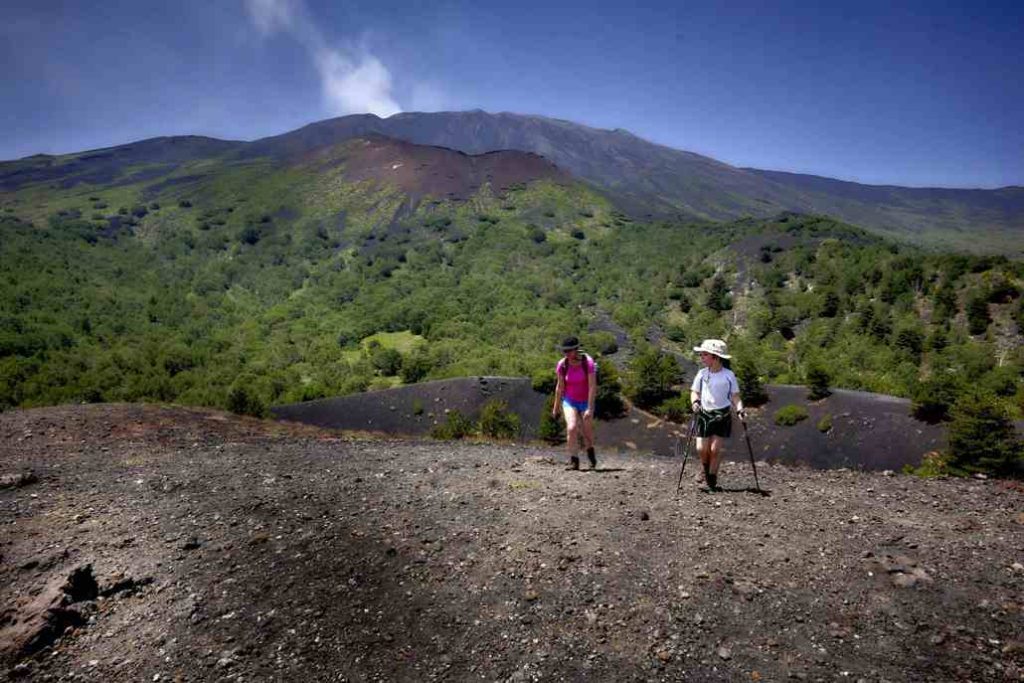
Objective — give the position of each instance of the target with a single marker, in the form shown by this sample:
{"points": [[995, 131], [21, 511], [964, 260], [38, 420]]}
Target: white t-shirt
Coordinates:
{"points": [[716, 388]]}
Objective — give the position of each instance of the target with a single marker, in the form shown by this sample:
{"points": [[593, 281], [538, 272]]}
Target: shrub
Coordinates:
{"points": [[690, 278], [825, 424], [185, 204], [978, 317], [982, 437], [1002, 381], [933, 464], [718, 295], [1003, 291], [911, 341], [789, 415], [497, 421], [544, 381], [414, 367], [932, 398], [603, 343], [551, 429], [417, 406], [250, 235], [752, 389], [674, 409], [456, 426], [608, 402], [243, 400], [830, 305], [817, 383], [387, 362], [652, 374]]}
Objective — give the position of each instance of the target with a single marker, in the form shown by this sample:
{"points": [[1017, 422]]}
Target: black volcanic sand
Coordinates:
{"points": [[869, 431], [234, 549]]}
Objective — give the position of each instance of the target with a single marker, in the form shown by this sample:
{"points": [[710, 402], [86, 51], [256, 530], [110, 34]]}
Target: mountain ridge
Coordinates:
{"points": [[644, 179]]}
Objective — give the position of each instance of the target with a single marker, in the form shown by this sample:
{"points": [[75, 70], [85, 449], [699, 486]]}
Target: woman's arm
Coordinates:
{"points": [[695, 390], [737, 403], [559, 390], [591, 394]]}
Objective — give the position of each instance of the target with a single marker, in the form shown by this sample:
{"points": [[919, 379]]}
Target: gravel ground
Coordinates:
{"points": [[167, 544]]}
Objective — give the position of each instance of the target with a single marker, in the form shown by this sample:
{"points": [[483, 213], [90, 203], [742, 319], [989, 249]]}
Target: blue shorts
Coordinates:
{"points": [[578, 405]]}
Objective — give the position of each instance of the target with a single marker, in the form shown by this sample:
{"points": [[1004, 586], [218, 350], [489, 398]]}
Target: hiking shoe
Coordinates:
{"points": [[574, 463], [592, 458], [712, 480]]}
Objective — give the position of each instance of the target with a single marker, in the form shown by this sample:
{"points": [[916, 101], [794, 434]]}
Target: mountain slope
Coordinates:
{"points": [[644, 179], [650, 179], [312, 269]]}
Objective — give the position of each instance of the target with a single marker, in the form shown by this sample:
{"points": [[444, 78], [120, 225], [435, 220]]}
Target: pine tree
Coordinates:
{"points": [[982, 437]]}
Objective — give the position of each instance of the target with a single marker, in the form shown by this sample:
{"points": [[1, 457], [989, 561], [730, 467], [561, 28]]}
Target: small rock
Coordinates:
{"points": [[531, 595], [644, 517], [1017, 568], [19, 671], [724, 653], [903, 580], [888, 473], [16, 481], [664, 655]]}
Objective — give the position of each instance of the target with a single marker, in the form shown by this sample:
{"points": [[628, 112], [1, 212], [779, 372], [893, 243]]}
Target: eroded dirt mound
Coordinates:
{"points": [[438, 172], [208, 547]]}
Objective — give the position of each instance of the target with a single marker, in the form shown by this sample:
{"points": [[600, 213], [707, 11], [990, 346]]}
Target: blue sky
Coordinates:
{"points": [[909, 93]]}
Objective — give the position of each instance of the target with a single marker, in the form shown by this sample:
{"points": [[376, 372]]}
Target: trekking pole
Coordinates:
{"points": [[686, 449], [750, 449]]}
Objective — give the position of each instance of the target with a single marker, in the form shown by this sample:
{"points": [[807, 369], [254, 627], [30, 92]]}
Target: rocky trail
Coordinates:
{"points": [[168, 544]]}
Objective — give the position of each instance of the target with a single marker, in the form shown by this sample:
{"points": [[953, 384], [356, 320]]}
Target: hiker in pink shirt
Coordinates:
{"points": [[576, 394]]}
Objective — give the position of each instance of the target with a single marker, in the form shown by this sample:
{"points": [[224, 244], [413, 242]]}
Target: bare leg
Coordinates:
{"points": [[717, 449], [704, 448], [572, 433], [588, 441]]}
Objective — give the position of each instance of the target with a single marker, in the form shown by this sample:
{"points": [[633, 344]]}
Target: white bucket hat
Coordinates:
{"points": [[715, 347]]}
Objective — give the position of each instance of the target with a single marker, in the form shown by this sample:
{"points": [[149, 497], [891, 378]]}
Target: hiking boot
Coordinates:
{"points": [[712, 480], [592, 458], [574, 463]]}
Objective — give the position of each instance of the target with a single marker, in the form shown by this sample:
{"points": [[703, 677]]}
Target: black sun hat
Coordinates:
{"points": [[569, 344]]}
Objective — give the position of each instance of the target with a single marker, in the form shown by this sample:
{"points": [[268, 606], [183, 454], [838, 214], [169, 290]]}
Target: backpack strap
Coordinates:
{"points": [[564, 370]]}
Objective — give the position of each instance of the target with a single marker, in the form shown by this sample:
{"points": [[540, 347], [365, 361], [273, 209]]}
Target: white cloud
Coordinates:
{"points": [[269, 16], [352, 87], [351, 81]]}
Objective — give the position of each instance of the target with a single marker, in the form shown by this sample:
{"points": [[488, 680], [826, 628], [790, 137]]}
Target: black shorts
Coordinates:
{"points": [[715, 423]]}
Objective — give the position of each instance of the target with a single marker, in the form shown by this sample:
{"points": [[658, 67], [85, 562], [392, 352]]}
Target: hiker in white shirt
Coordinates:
{"points": [[715, 391]]}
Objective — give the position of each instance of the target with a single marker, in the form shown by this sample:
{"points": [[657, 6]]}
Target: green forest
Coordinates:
{"points": [[262, 285]]}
